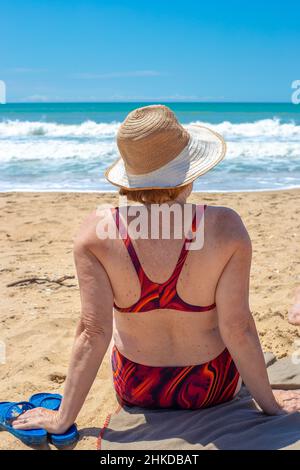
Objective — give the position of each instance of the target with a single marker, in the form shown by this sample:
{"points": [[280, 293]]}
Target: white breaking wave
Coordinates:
{"points": [[258, 150], [263, 130], [50, 129], [55, 150], [251, 142], [107, 151]]}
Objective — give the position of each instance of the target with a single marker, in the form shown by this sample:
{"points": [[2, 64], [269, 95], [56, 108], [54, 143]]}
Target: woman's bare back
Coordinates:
{"points": [[167, 337]]}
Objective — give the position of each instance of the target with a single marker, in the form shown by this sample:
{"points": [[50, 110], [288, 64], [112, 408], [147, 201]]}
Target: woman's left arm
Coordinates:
{"points": [[92, 339]]}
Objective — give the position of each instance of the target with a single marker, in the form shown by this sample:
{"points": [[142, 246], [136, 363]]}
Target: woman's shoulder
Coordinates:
{"points": [[224, 213], [227, 224], [97, 222]]}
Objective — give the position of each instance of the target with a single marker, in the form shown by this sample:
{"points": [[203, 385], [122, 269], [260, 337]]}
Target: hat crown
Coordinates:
{"points": [[149, 138]]}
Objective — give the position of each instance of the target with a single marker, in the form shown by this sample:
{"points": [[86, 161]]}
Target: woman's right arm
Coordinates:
{"points": [[237, 326]]}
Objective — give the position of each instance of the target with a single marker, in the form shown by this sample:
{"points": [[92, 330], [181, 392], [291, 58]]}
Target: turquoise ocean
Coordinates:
{"points": [[67, 146]]}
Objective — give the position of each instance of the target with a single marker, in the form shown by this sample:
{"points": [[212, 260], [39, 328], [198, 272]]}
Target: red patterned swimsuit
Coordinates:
{"points": [[185, 387]]}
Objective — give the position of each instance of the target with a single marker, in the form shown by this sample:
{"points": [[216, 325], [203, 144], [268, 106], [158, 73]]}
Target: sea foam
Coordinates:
{"points": [[49, 155], [25, 140]]}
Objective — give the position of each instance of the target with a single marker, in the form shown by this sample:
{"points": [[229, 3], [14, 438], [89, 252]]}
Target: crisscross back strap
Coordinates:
{"points": [[127, 240], [199, 211], [188, 240]]}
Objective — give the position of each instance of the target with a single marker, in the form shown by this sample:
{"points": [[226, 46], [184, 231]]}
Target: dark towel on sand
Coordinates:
{"points": [[238, 424]]}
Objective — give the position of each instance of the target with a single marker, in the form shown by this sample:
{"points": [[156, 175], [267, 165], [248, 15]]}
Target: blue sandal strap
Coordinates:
{"points": [[48, 400], [51, 398], [23, 406]]}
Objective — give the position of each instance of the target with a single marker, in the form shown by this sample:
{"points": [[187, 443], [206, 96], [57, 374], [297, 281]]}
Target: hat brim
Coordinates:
{"points": [[205, 149]]}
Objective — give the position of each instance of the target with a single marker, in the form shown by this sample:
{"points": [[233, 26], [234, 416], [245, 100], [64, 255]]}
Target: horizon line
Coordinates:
{"points": [[146, 101]]}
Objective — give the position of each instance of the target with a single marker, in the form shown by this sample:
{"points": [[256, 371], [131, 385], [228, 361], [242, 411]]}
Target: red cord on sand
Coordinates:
{"points": [[105, 425]]}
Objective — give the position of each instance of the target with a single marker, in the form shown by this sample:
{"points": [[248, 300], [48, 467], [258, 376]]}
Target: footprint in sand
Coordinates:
{"points": [[57, 377]]}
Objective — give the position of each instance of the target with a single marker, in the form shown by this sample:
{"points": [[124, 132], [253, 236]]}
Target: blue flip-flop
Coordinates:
{"points": [[11, 410], [52, 401]]}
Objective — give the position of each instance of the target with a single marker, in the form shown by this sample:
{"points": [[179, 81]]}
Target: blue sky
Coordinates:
{"points": [[191, 50]]}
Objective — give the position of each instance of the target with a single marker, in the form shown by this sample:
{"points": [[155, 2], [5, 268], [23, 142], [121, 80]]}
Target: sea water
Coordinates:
{"points": [[67, 146]]}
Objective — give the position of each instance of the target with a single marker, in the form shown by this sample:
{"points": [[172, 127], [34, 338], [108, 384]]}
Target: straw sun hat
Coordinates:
{"points": [[156, 151]]}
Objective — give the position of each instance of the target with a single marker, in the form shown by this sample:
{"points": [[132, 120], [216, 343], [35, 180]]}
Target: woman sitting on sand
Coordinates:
{"points": [[177, 309]]}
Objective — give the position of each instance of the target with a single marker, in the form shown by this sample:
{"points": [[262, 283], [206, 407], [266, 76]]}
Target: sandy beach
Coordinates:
{"points": [[37, 321]]}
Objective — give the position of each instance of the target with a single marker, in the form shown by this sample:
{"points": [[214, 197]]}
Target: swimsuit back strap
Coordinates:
{"points": [[199, 213], [127, 240]]}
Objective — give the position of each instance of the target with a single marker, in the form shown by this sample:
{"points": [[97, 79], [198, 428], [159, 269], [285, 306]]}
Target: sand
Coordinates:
{"points": [[37, 321]]}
